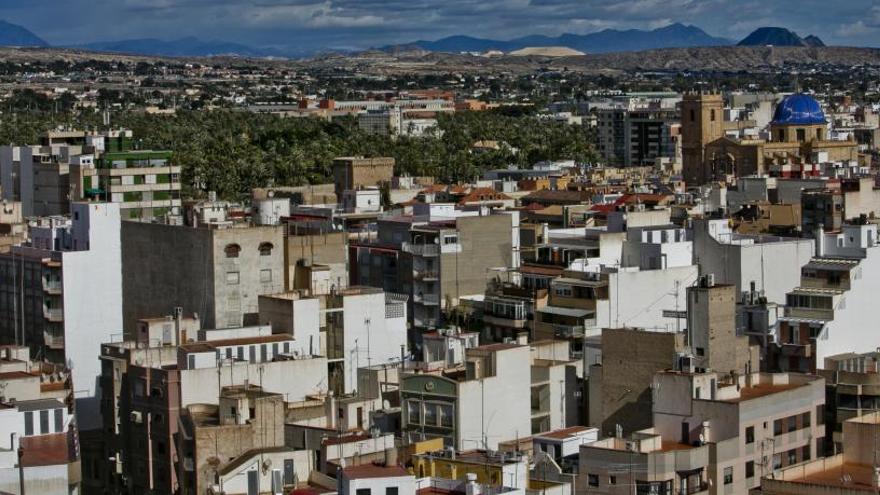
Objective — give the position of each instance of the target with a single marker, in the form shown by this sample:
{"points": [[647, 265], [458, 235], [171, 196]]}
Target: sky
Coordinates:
{"points": [[357, 24]]}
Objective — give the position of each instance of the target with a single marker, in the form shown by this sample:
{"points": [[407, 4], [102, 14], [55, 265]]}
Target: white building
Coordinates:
{"points": [[773, 264]]}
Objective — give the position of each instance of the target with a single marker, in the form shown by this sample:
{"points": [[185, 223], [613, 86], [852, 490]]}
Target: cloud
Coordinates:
{"points": [[365, 23]]}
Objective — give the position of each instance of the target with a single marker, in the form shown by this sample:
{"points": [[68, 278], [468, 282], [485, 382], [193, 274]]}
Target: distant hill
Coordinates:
{"points": [[545, 51], [15, 35], [812, 40], [183, 47], [606, 41], [777, 36]]}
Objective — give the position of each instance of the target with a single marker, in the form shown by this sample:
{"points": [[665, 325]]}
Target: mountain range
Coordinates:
{"points": [[607, 41], [777, 36], [15, 35]]}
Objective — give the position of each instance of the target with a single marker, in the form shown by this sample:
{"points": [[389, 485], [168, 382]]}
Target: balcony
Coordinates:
{"points": [[426, 299], [53, 341], [421, 249], [55, 315], [568, 331], [52, 287], [426, 275]]}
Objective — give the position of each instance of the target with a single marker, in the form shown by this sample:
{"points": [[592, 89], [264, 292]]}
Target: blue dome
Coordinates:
{"points": [[799, 109]]}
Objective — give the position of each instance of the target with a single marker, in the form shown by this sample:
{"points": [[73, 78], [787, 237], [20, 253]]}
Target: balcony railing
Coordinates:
{"points": [[53, 314], [427, 299], [52, 286], [426, 275], [421, 249], [568, 331], [53, 341]]}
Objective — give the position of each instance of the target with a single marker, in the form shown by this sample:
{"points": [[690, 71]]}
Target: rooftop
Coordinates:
{"points": [[373, 471]]}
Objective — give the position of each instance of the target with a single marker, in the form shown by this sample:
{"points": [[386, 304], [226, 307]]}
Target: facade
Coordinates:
{"points": [[636, 137], [359, 172], [470, 407], [436, 259], [148, 389], [712, 434], [61, 295], [215, 271], [853, 472], [798, 133], [825, 312], [145, 183]]}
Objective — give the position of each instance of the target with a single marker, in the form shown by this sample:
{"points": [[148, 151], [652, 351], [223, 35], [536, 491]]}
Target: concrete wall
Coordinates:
{"points": [[774, 267], [485, 406], [292, 379], [629, 360], [485, 243], [166, 266], [369, 337], [92, 286]]}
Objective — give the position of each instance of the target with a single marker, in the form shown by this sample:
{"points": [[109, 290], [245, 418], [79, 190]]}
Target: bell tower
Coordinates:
{"points": [[702, 121]]}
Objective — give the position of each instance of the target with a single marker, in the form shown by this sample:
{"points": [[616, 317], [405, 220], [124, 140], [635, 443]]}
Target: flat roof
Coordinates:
{"points": [[762, 390], [565, 432], [848, 475], [39, 404], [374, 471]]}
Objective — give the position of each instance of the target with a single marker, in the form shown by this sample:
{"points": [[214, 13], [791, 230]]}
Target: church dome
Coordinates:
{"points": [[799, 109]]}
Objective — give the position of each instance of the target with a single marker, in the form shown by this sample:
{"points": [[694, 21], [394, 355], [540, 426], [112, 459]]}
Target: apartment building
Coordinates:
{"points": [[825, 312], [853, 472], [238, 443], [217, 271], [60, 295], [37, 418], [436, 256], [145, 183], [712, 433], [147, 387], [84, 165], [470, 407], [853, 391], [638, 136], [769, 263]]}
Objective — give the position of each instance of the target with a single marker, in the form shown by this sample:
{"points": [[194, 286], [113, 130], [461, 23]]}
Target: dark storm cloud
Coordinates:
{"points": [[364, 23]]}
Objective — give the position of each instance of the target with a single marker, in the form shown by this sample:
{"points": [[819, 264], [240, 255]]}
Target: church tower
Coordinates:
{"points": [[702, 121]]}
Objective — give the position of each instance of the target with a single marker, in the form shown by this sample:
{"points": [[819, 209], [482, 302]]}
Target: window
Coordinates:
{"points": [[431, 414], [801, 135], [232, 250], [391, 490], [28, 423], [232, 278], [266, 248], [612, 480], [446, 415], [712, 115], [362, 491], [191, 361], [593, 479], [414, 412], [805, 421], [792, 457], [792, 423], [750, 434], [693, 115], [750, 469], [777, 427], [59, 420], [728, 475], [44, 421], [805, 453], [265, 276], [252, 354]]}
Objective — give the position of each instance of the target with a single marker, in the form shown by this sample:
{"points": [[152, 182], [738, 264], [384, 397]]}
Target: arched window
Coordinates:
{"points": [[232, 250], [266, 248]]}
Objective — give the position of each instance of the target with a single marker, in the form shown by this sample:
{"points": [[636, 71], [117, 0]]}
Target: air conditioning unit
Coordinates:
{"points": [[137, 417]]}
